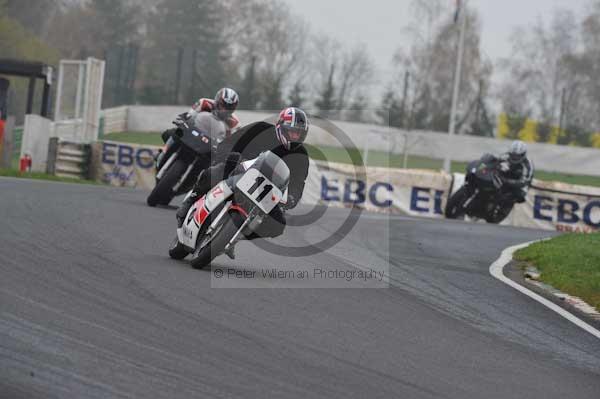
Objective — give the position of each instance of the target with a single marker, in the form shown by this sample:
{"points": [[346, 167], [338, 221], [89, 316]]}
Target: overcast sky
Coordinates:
{"points": [[379, 23]]}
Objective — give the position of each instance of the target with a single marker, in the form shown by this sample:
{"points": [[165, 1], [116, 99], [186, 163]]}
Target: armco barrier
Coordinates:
{"points": [[423, 193]]}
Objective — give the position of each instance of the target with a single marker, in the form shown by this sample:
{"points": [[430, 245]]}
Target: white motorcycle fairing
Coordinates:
{"points": [[199, 212], [283, 197]]}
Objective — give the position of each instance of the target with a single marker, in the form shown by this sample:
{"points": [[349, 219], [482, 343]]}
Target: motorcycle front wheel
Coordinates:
{"points": [[208, 248], [162, 194], [177, 251], [455, 208]]}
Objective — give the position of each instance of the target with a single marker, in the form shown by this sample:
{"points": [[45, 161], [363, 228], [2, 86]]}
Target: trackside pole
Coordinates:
{"points": [[457, 78]]}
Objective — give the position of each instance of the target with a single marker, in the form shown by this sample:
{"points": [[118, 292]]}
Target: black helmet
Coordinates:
{"points": [[517, 152], [292, 127], [226, 102]]}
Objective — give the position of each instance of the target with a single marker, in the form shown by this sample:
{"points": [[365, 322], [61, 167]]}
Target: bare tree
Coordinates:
{"points": [[538, 69], [272, 38], [356, 76], [341, 76], [428, 62]]}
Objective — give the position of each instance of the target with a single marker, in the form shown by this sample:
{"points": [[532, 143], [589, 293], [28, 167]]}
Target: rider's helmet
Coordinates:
{"points": [[292, 127], [517, 152], [226, 102]]}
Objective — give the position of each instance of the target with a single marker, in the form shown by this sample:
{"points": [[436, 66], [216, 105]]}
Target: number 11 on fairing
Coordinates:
{"points": [[266, 190]]}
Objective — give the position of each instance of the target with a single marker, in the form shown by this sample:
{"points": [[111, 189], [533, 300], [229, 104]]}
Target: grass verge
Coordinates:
{"points": [[135, 138], [42, 176], [376, 158], [570, 263]]}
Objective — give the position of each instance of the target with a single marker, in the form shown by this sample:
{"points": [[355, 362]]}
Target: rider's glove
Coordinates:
{"points": [[181, 119]]}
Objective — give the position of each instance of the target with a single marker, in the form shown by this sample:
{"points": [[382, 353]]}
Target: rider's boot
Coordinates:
{"points": [[201, 187], [185, 208]]}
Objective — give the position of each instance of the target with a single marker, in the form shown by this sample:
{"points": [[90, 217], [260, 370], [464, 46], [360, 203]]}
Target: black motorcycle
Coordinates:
{"points": [[482, 196], [188, 152]]}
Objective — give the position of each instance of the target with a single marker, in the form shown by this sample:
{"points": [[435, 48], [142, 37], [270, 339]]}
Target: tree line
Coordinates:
{"points": [[548, 90], [173, 51]]}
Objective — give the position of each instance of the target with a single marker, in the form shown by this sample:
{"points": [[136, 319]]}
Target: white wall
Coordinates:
{"points": [[36, 135], [115, 119], [158, 118], [547, 157]]}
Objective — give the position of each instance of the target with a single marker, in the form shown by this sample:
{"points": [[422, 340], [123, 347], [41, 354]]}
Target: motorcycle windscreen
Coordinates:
{"points": [[205, 132], [483, 172], [273, 168], [197, 141]]}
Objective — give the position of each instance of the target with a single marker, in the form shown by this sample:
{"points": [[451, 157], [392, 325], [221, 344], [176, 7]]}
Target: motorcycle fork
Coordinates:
{"points": [[185, 176], [471, 198], [236, 236], [166, 166], [215, 223]]}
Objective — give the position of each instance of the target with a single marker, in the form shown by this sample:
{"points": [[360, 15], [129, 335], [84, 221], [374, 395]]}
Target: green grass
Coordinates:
{"points": [[376, 158], [42, 176], [570, 263], [582, 180], [135, 138], [379, 158]]}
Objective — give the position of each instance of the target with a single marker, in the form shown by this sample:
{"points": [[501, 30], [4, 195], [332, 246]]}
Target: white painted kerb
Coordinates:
{"points": [[497, 270]]}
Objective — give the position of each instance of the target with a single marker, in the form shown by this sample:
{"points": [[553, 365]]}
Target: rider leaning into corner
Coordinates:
{"points": [[285, 139], [516, 170], [221, 124]]}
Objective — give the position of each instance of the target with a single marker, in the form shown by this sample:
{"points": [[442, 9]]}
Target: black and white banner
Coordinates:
{"points": [[549, 206]]}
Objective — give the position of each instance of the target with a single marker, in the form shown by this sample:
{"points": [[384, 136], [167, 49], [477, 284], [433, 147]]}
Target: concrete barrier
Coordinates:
{"points": [[36, 136], [547, 157], [114, 120]]}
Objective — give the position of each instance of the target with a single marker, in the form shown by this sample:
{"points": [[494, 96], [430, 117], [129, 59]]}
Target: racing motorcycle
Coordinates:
{"points": [[481, 196], [232, 210], [187, 153]]}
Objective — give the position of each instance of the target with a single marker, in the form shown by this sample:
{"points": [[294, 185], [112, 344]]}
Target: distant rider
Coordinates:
{"points": [[285, 139], [222, 108], [515, 171]]}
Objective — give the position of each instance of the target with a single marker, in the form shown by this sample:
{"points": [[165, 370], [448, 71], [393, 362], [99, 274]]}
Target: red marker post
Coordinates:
{"points": [[25, 163], [2, 126]]}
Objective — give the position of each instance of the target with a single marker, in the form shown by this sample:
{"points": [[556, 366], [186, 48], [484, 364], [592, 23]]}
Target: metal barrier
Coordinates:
{"points": [[68, 159], [16, 145]]}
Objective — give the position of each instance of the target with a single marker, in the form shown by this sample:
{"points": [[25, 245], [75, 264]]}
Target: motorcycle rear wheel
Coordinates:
{"points": [[499, 216]]}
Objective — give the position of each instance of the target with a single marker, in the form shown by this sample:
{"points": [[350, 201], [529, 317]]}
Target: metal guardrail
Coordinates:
{"points": [[68, 159]]}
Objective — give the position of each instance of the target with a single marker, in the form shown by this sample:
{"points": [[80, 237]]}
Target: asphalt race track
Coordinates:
{"points": [[92, 307]]}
